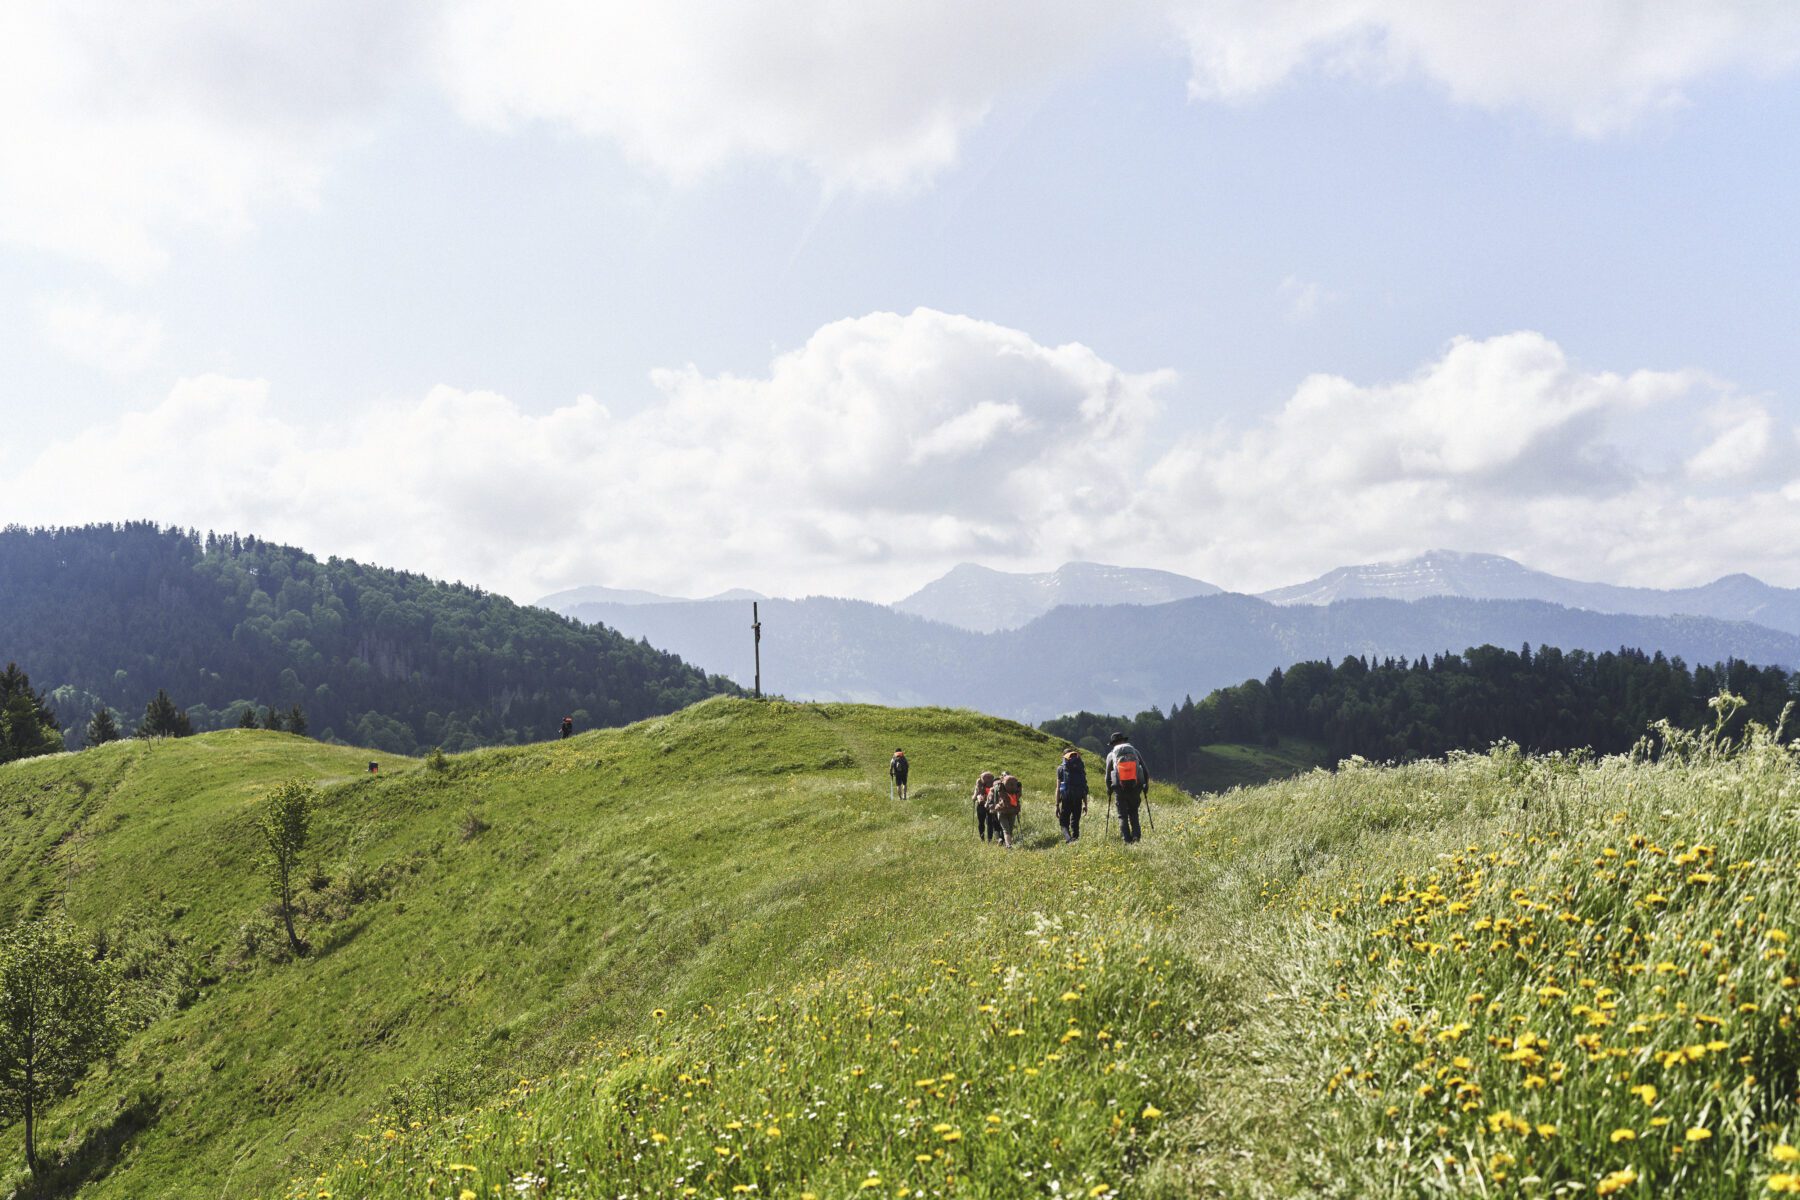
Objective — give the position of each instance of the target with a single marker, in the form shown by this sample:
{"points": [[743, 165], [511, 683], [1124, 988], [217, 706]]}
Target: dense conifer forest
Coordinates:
{"points": [[106, 616], [1394, 710]]}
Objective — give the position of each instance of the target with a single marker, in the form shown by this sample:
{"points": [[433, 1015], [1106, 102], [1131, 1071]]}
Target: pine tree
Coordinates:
{"points": [[102, 728], [27, 724], [296, 720], [271, 719], [248, 720], [163, 719]]}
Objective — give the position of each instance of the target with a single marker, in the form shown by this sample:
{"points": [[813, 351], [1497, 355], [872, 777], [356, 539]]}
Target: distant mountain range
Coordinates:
{"points": [[563, 601], [985, 600], [1492, 577], [1124, 658]]}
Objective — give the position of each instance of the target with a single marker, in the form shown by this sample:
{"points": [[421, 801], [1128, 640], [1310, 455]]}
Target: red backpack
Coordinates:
{"points": [[1011, 792]]}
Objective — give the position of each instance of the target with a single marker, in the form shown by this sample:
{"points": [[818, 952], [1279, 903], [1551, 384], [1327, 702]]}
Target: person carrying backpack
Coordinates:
{"points": [[1008, 796], [897, 768], [1071, 793], [985, 826], [568, 726], [1128, 779]]}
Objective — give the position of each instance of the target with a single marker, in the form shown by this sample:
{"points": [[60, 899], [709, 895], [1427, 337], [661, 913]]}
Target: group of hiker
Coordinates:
{"points": [[999, 796]]}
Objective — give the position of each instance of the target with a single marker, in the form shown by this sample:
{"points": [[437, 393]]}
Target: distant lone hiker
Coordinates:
{"points": [[1128, 779], [986, 828], [374, 767], [897, 768], [568, 726], [1071, 793]]}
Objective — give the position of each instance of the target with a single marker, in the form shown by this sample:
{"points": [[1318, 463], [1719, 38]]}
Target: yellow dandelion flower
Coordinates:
{"points": [[1784, 1183], [773, 1131], [1785, 1153], [659, 1137], [1069, 997], [1617, 1181], [1698, 1134], [1623, 1135], [659, 1013], [873, 1181], [1645, 1092], [1151, 1112], [954, 1135], [1099, 1189]]}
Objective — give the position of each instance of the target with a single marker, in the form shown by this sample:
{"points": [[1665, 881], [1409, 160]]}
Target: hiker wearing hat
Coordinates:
{"points": [[1071, 793], [1128, 779], [897, 768], [985, 826]]}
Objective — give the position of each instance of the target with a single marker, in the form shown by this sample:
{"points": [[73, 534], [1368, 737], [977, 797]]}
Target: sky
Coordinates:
{"points": [[826, 296]]}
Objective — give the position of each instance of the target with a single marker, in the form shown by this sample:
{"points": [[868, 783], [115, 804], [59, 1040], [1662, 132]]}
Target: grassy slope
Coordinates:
{"points": [[730, 847], [1227, 765], [1286, 978]]}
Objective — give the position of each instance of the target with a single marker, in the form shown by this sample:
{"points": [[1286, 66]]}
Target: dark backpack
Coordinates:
{"points": [[1073, 784]]}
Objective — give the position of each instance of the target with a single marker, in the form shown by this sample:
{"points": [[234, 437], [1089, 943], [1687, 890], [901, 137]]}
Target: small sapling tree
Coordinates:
{"points": [[284, 827], [56, 1017]]}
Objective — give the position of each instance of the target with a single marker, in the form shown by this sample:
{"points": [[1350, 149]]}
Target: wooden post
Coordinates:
{"points": [[756, 629]]}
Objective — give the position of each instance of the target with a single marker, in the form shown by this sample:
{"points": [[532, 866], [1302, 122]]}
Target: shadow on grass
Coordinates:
{"points": [[97, 1153]]}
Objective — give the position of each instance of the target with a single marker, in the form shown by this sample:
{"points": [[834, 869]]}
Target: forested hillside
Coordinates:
{"points": [[1395, 710], [108, 615]]}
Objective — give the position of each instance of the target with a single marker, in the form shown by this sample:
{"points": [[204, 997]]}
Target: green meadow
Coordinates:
{"points": [[709, 955]]}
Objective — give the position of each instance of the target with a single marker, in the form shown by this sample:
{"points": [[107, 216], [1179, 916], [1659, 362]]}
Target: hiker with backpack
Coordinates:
{"points": [[1128, 780], [985, 826], [1007, 796], [1071, 793], [568, 726], [897, 769]]}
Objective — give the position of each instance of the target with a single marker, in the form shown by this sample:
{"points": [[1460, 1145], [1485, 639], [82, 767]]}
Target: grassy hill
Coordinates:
{"points": [[709, 952]]}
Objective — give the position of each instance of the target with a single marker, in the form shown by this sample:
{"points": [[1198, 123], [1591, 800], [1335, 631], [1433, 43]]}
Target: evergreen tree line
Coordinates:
{"points": [[1396, 710], [232, 629]]}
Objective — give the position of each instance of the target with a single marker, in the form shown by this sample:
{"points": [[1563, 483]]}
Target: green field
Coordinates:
{"points": [[708, 955]]}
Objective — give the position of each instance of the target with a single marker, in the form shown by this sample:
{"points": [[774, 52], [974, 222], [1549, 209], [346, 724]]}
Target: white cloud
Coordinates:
{"points": [[84, 329], [1302, 299], [128, 124], [1595, 67], [1744, 446], [805, 477], [864, 95]]}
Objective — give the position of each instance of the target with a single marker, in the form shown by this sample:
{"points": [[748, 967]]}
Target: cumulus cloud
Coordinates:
{"points": [[1596, 67], [890, 446], [869, 95], [84, 329], [128, 124]]}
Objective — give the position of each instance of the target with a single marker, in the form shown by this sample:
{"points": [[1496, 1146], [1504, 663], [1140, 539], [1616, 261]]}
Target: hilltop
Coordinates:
{"points": [[710, 951]]}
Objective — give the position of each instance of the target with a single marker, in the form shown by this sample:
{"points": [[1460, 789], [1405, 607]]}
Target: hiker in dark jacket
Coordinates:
{"points": [[1128, 779], [897, 767], [568, 726], [1071, 793]]}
